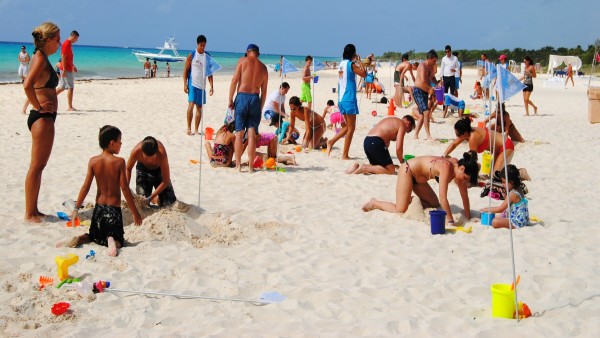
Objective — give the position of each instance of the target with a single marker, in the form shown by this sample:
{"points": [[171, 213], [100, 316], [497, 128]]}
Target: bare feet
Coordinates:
{"points": [[72, 109], [360, 169], [346, 157], [535, 110], [69, 243], [369, 205], [112, 247], [429, 138], [189, 132], [33, 218], [329, 147], [353, 168]]}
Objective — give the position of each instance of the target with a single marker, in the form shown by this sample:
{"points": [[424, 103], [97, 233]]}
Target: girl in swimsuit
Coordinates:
{"points": [[40, 88], [414, 174], [313, 122], [527, 78], [479, 140], [222, 153], [519, 210]]}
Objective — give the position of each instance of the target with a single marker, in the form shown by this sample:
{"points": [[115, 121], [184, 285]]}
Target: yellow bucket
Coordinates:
{"points": [[486, 163], [503, 301]]}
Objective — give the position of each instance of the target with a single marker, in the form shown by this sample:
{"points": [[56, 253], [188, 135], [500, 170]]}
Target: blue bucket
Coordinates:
{"points": [[438, 222], [316, 79], [487, 218]]}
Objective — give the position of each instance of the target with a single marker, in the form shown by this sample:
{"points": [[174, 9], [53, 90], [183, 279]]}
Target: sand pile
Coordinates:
{"points": [[182, 222]]}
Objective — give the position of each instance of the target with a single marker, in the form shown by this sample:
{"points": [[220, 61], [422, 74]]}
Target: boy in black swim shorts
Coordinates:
{"points": [[152, 172], [109, 171], [377, 142]]}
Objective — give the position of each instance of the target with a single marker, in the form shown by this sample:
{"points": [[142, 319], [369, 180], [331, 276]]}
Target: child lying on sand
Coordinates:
{"points": [[109, 171]]}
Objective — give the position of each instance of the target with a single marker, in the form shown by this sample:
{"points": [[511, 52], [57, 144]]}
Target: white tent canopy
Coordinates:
{"points": [[557, 60]]}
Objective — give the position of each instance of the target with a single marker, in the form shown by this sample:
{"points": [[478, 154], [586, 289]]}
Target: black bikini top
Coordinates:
{"points": [[52, 82]]}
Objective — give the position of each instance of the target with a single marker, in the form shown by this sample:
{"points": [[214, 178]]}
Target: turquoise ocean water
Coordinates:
{"points": [[96, 62]]}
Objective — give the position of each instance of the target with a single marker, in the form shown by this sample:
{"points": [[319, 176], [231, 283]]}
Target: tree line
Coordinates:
{"points": [[518, 54]]}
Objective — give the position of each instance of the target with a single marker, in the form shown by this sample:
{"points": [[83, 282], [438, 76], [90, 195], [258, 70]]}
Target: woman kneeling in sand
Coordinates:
{"points": [[414, 174]]}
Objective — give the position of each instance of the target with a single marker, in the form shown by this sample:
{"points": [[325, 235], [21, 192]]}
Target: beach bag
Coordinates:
{"points": [[229, 116]]}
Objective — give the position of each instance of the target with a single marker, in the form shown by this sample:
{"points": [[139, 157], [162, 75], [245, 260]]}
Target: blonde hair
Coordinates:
{"points": [[43, 32]]}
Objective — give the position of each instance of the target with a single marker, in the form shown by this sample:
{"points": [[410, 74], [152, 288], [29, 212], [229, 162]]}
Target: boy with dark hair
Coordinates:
{"points": [[152, 171], [377, 144], [306, 77], [109, 171]]}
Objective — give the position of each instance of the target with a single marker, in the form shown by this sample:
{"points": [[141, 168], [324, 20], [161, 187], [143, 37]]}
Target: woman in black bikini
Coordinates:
{"points": [[414, 174], [40, 88]]}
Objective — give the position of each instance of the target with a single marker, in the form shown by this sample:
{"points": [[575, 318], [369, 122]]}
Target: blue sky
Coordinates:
{"points": [[312, 27]]}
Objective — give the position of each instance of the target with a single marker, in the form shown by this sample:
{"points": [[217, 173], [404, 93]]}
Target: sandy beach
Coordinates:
{"points": [[302, 232]]}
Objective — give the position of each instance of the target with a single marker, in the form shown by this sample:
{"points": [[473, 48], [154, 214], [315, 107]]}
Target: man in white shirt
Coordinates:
{"points": [[194, 83], [23, 63], [450, 69], [275, 102]]}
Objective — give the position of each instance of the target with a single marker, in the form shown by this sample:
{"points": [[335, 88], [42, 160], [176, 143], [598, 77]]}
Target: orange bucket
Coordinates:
{"points": [[209, 133], [481, 124]]}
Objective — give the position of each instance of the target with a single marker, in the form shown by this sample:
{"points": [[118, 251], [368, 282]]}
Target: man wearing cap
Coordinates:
{"points": [[23, 63], [449, 69], [250, 82], [67, 69], [503, 63]]}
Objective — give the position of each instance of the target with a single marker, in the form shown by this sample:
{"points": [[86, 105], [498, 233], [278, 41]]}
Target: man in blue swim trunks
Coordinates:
{"points": [[194, 83], [422, 90], [249, 80]]}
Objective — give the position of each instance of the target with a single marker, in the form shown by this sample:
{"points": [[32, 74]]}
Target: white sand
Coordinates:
{"points": [[301, 233]]}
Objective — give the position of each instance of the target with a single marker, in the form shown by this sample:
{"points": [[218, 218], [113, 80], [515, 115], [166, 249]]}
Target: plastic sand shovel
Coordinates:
{"points": [[534, 219], [63, 216], [463, 229], [512, 286]]}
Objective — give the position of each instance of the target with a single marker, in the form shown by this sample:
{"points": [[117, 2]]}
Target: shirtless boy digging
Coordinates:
{"points": [[377, 144], [109, 171]]}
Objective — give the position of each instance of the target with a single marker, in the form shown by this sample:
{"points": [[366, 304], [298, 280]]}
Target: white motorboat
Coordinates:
{"points": [[161, 56]]}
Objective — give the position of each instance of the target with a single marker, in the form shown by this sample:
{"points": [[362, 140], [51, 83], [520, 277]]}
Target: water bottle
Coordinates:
{"points": [[84, 289], [69, 204]]}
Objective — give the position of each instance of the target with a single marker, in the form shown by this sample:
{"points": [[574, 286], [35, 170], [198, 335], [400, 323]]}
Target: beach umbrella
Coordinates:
{"points": [[211, 67]]}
